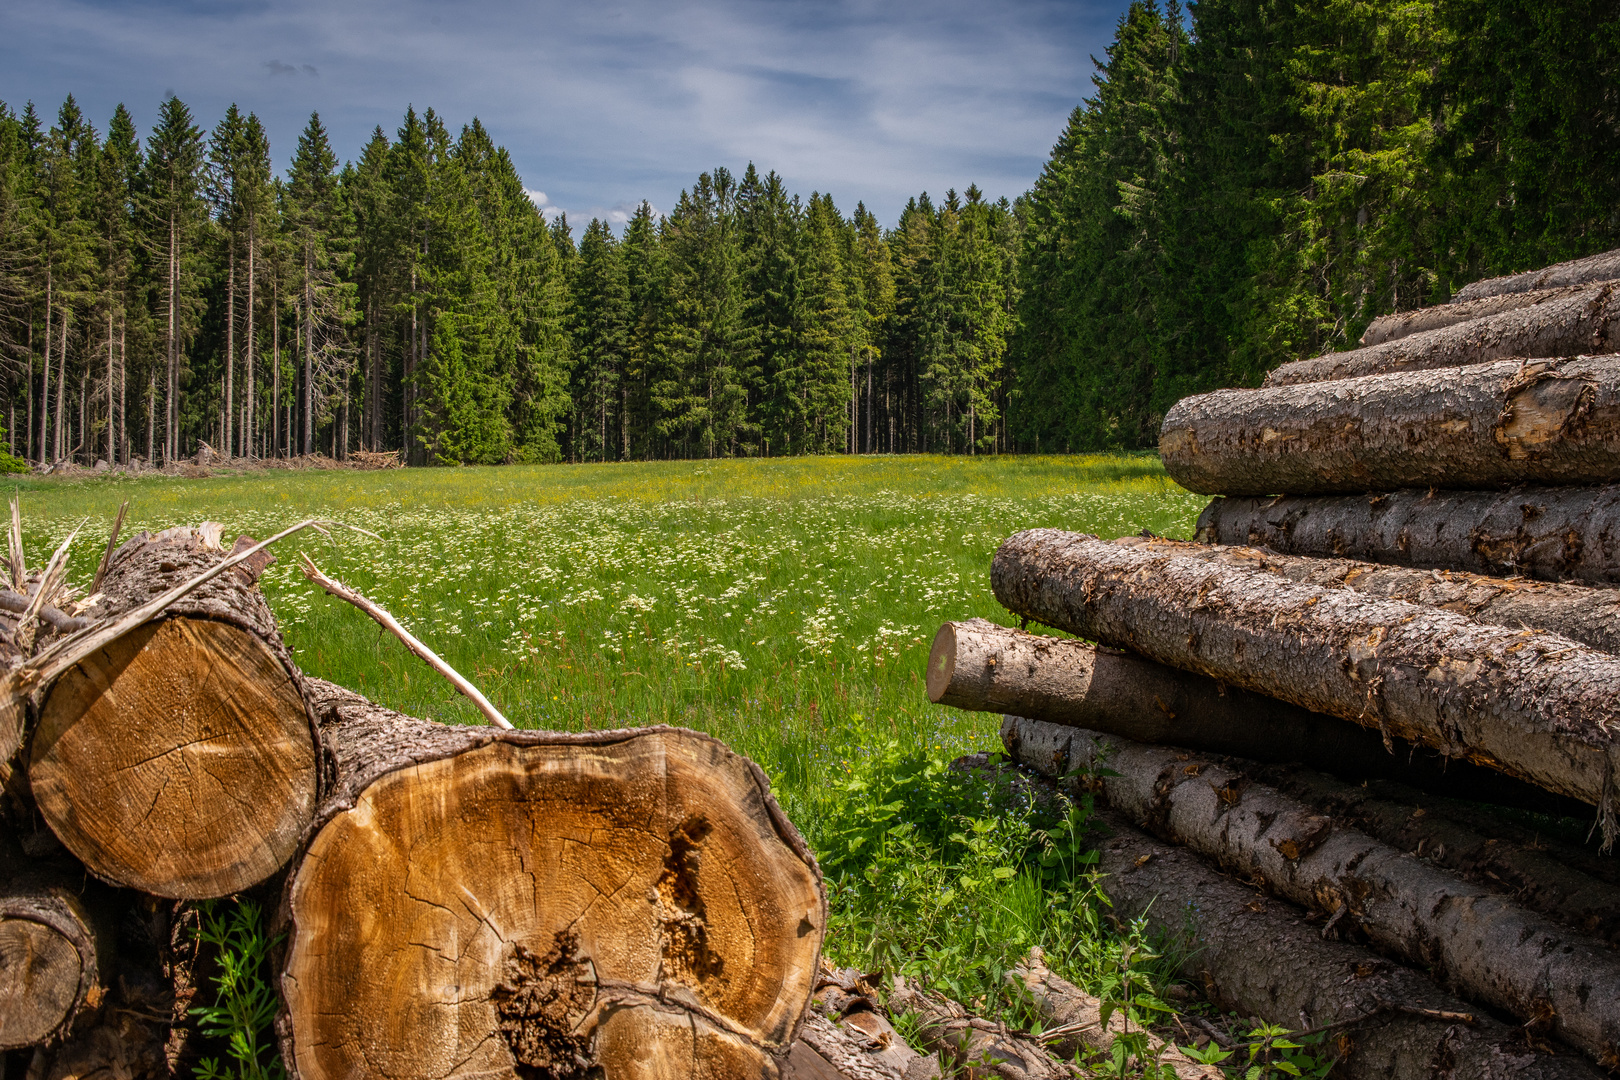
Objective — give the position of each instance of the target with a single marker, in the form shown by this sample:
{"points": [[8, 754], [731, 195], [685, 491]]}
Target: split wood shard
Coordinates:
{"points": [[1488, 425], [473, 901], [1531, 704]]}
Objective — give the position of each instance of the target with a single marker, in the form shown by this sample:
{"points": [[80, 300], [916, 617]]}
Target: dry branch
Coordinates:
{"points": [[632, 900], [1487, 946], [1562, 324], [1532, 704], [1601, 267], [981, 666], [1553, 534], [1488, 425]]}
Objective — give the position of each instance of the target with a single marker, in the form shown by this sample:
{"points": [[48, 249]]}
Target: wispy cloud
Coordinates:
{"points": [[605, 104]]}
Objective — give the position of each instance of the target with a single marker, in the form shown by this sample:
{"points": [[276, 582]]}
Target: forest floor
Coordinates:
{"points": [[786, 606]]}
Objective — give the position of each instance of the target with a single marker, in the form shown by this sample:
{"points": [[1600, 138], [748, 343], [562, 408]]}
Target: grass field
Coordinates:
{"points": [[785, 606]]}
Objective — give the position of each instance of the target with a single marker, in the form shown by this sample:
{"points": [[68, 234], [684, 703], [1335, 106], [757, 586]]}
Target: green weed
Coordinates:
{"points": [[244, 1004]]}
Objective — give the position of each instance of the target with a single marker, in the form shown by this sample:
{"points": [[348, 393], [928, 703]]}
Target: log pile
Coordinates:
{"points": [[1308, 730], [451, 901]]}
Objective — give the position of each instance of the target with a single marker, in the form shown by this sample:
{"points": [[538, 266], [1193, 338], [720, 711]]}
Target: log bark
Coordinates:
{"points": [[1578, 612], [1073, 1023], [1488, 425], [1604, 266], [1463, 839], [1552, 534], [1486, 947], [846, 1030], [1260, 957], [481, 902], [1406, 323], [1531, 704], [179, 759], [51, 968], [988, 668], [1562, 324], [977, 1048]]}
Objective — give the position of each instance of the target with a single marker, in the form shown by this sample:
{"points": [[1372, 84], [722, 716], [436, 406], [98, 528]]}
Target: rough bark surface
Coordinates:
{"points": [[977, 1048], [476, 902], [1604, 266], [1460, 838], [1261, 958], [847, 1030], [988, 668], [1405, 323], [1578, 612], [1485, 946], [1073, 1021], [1488, 425], [180, 759], [50, 968], [1532, 704], [1585, 320], [1553, 534]]}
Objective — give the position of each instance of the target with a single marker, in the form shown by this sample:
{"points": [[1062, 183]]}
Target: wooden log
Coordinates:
{"points": [[51, 968], [1486, 946], [1072, 1022], [1552, 534], [1488, 425], [1604, 266], [1261, 958], [1406, 323], [976, 1048], [180, 758], [988, 668], [1531, 704], [1578, 612], [1566, 324], [1468, 840], [475, 901]]}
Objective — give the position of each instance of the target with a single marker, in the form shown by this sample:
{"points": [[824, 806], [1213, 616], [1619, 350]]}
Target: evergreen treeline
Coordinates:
{"points": [[156, 295], [1255, 180]]}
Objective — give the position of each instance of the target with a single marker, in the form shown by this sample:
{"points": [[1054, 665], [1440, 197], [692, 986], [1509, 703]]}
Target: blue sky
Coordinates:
{"points": [[605, 103]]}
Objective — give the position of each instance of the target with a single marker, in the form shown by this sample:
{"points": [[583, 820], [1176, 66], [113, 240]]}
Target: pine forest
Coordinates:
{"points": [[1251, 182]]}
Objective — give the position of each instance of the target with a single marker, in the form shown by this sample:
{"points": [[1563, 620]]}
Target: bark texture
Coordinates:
{"points": [[180, 759], [1578, 612], [1464, 839], [977, 1048], [1488, 425], [1552, 534], [1566, 324], [1604, 266], [1485, 946], [846, 1028], [1405, 323], [476, 902], [1260, 957], [1531, 704], [988, 668], [1073, 1021]]}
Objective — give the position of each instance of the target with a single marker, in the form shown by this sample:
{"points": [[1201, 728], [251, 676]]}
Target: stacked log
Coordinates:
{"points": [[1398, 618], [452, 900]]}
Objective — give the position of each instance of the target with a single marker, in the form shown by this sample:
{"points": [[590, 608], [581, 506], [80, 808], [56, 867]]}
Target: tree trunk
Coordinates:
{"points": [[225, 444], [1487, 947], [1402, 324], [1261, 958], [1601, 267], [1573, 323], [1554, 534], [1532, 704], [51, 969], [1469, 840], [1064, 1006], [1578, 612], [179, 760], [988, 668], [473, 902], [1489, 425]]}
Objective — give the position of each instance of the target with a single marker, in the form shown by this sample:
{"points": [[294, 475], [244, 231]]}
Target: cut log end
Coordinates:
{"points": [[941, 664], [551, 910], [178, 760], [42, 976]]}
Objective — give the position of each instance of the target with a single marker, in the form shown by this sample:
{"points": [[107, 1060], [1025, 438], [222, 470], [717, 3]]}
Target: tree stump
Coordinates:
{"points": [[483, 902], [180, 759]]}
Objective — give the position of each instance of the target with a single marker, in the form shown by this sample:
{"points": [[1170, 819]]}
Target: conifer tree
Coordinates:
{"points": [[172, 193]]}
